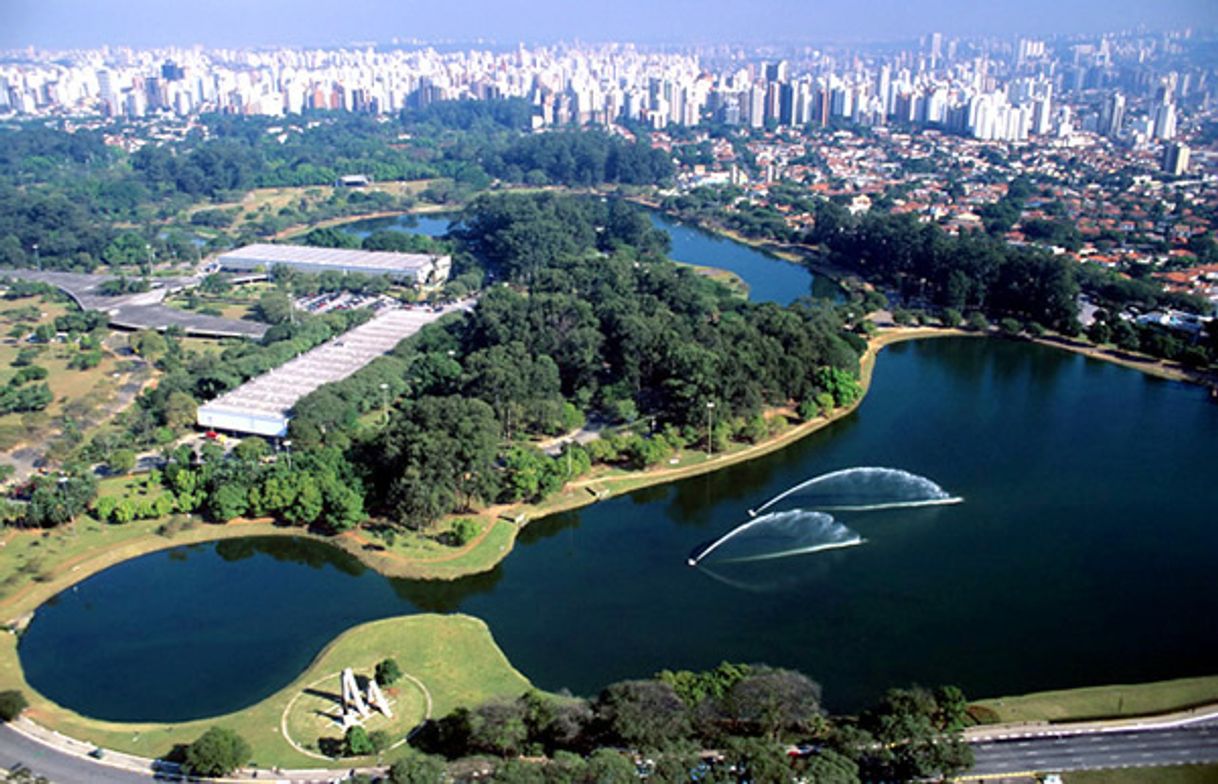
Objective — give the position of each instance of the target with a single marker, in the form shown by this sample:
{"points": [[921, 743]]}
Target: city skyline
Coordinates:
{"points": [[66, 24]]}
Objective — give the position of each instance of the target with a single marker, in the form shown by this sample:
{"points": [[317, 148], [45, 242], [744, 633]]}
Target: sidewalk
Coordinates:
{"points": [[162, 770], [1041, 729]]}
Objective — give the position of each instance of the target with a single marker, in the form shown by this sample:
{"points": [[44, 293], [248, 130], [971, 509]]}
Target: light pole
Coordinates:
{"points": [[287, 445], [710, 428], [37, 259], [384, 403]]}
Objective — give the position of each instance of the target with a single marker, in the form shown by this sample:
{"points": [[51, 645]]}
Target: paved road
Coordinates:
{"points": [[1129, 748], [141, 310], [59, 767]]}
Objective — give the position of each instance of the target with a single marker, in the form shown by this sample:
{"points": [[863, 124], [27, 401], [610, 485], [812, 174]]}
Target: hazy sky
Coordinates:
{"points": [[73, 23]]}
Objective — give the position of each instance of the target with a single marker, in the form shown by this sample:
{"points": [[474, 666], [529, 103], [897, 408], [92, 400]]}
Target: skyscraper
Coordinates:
{"points": [[1165, 121], [1112, 115], [1175, 158]]}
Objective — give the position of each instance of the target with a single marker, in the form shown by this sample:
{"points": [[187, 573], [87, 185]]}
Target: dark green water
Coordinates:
{"points": [[1083, 554]]}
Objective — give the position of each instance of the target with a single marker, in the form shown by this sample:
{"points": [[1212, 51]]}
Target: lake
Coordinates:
{"points": [[769, 278], [430, 224], [1082, 554]]}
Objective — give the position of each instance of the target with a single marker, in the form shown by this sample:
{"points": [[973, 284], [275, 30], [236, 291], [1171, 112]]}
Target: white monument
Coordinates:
{"points": [[355, 710], [378, 699], [354, 705]]}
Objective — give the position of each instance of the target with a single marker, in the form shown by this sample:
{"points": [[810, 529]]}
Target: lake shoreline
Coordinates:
{"points": [[17, 608], [10, 666]]}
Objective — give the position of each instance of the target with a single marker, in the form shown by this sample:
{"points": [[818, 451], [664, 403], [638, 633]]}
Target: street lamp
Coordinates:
{"points": [[287, 445], [385, 403], [37, 259], [710, 423]]}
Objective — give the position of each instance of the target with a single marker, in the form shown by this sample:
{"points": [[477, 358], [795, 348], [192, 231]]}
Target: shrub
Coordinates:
{"points": [[388, 672], [358, 744], [12, 702], [464, 531]]}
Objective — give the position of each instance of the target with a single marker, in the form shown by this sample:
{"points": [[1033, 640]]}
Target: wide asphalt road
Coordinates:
{"points": [[58, 766], [1151, 747]]}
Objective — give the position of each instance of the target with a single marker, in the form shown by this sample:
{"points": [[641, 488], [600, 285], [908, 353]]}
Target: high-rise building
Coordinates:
{"points": [[756, 106], [1175, 158], [1112, 116], [1165, 121]]}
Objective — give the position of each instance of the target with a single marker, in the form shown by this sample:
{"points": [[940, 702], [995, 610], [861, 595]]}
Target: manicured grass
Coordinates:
{"points": [[311, 714], [1174, 774], [35, 565], [453, 656], [1104, 702], [417, 556]]}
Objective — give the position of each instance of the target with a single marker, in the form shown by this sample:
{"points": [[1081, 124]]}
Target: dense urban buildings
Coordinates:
{"points": [[1129, 87]]}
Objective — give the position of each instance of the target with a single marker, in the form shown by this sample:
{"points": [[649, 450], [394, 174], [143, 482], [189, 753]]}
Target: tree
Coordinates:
{"points": [[121, 461], [228, 501], [149, 344], [356, 743], [180, 410], [518, 771], [12, 702], [830, 767], [380, 740], [643, 713], [915, 737], [606, 766], [414, 767], [756, 760], [498, 727], [769, 701], [274, 307], [442, 452], [251, 449], [694, 687], [1010, 326], [388, 672], [218, 752], [464, 530]]}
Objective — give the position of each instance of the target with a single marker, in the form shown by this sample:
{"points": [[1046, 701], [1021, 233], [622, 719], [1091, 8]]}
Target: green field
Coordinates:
{"points": [[1103, 702], [454, 657], [76, 392]]}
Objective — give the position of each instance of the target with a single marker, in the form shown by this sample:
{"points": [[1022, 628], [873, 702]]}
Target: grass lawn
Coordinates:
{"points": [[272, 200], [1174, 774], [311, 716], [422, 557], [454, 658], [1103, 702], [35, 565], [76, 391], [201, 345]]}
